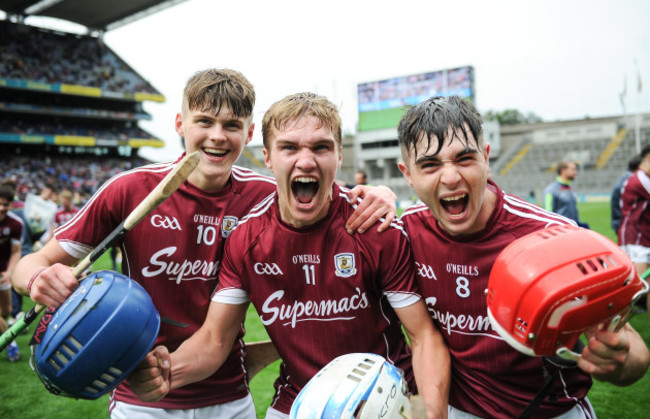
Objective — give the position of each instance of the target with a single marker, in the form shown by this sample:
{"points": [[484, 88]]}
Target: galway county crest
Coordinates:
{"points": [[228, 225], [344, 263]]}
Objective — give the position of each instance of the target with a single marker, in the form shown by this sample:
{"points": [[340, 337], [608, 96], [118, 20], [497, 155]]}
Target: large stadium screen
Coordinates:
{"points": [[382, 103]]}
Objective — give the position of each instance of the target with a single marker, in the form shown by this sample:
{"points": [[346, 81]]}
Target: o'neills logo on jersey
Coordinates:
{"points": [[162, 221], [345, 266], [466, 270], [186, 270], [228, 225], [300, 311], [459, 323]]}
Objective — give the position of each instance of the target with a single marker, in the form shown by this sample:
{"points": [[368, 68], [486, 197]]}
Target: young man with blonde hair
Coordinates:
{"points": [[321, 293]]}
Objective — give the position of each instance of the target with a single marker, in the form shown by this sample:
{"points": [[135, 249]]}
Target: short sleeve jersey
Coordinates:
{"points": [[174, 253], [635, 224], [489, 377], [11, 232], [319, 291]]}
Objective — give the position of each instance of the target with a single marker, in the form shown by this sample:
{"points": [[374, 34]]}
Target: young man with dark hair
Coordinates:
{"points": [[463, 224]]}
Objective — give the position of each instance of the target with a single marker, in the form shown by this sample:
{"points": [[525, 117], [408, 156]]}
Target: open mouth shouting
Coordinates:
{"points": [[455, 205], [304, 188]]}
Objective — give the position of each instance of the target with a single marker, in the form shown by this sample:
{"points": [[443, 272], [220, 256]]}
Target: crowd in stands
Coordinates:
{"points": [[44, 56], [79, 174], [15, 126]]}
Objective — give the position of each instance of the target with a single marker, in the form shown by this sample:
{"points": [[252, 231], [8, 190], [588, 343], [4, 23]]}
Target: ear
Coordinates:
{"points": [[338, 166], [405, 171], [251, 129], [178, 125], [267, 159], [486, 152]]}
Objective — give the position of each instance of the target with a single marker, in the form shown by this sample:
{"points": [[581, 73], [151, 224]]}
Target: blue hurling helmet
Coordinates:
{"points": [[97, 337]]}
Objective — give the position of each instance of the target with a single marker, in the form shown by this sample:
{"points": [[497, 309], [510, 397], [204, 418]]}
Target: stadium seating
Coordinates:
{"points": [[44, 56], [63, 93], [529, 165]]}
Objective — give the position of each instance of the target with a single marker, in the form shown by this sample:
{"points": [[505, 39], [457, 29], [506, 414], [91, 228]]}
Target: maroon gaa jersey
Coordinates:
{"points": [[175, 254], [635, 224], [319, 291], [11, 232], [489, 377], [62, 216]]}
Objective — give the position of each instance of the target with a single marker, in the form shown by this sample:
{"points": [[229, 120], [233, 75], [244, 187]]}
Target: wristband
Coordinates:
{"points": [[33, 278]]}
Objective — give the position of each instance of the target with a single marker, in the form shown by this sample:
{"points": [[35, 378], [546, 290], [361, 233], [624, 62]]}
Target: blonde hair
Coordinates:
{"points": [[292, 107]]}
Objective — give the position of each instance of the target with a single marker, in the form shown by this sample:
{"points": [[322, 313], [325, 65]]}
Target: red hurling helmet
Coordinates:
{"points": [[547, 287]]}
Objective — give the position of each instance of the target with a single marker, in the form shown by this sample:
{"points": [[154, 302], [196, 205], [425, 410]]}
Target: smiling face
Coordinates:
{"points": [[304, 156], [220, 138], [452, 181]]}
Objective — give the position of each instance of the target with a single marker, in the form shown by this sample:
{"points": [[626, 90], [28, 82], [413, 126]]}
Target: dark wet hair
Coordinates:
{"points": [[434, 117]]}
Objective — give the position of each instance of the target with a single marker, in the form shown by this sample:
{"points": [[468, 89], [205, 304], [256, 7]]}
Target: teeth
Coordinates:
{"points": [[305, 180], [454, 198], [216, 151]]}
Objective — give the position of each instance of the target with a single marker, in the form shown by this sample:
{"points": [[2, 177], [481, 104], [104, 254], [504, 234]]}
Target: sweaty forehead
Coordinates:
{"points": [[454, 142]]}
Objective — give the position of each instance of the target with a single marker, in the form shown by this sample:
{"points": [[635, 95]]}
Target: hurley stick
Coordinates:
{"points": [[170, 183]]}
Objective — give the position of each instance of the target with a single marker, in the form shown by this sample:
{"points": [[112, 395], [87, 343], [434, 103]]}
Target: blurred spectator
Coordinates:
{"points": [[11, 229], [361, 177], [632, 166], [559, 195], [634, 232], [40, 210], [64, 213], [26, 248]]}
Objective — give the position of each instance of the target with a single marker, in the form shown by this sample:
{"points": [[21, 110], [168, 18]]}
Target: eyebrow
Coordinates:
{"points": [[434, 158]]}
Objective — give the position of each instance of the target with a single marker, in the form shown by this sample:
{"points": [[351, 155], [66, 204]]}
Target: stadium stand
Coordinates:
{"points": [[600, 146], [65, 100]]}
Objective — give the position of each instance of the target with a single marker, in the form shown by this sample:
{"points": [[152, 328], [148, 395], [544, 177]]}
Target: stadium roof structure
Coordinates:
{"points": [[95, 15]]}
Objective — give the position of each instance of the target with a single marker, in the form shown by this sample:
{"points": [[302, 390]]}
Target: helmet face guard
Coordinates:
{"points": [[356, 385], [96, 338], [547, 287]]}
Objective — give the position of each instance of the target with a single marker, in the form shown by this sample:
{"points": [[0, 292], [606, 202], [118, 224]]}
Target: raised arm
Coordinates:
{"points": [[196, 359], [431, 359]]}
